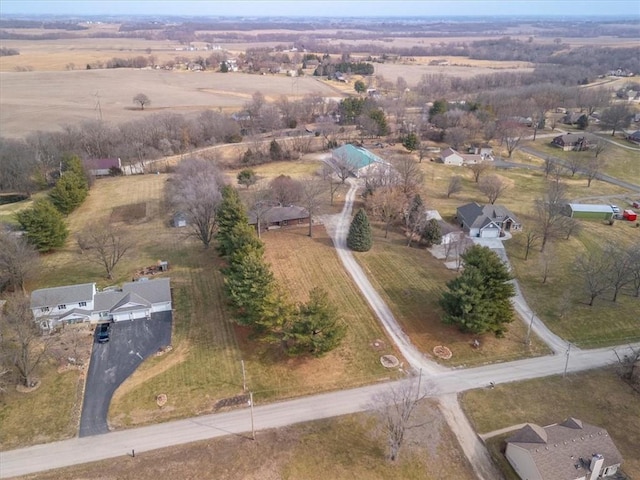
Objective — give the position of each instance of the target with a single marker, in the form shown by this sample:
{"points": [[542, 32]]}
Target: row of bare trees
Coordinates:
{"points": [[609, 269]]}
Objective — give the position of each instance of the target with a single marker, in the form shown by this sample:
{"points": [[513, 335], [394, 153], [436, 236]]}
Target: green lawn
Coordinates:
{"points": [[618, 162], [562, 302], [411, 281]]}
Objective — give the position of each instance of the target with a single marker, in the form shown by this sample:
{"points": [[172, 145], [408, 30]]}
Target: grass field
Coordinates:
{"points": [[598, 397], [411, 281], [205, 363], [618, 162], [340, 448]]}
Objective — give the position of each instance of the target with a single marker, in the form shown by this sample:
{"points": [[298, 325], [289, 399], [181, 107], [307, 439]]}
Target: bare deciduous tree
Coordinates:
{"points": [[634, 269], [285, 190], [26, 345], [512, 133], [19, 261], [395, 409], [409, 176], [386, 204], [142, 100], [195, 191], [573, 162], [477, 169], [454, 185], [259, 204], [343, 165], [593, 266], [312, 190], [618, 273], [104, 245], [549, 212], [530, 238], [493, 186], [330, 178]]}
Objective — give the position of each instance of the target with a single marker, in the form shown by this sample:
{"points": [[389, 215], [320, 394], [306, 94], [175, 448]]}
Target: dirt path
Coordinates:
{"points": [[472, 447]]}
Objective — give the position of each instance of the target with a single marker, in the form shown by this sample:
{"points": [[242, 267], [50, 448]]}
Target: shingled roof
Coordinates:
{"points": [[564, 450]]}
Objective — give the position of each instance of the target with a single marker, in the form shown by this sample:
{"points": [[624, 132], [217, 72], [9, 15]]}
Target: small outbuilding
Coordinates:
{"points": [[630, 215], [179, 220], [588, 212]]}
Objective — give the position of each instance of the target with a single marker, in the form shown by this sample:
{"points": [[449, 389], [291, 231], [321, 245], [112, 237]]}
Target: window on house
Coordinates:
{"points": [[44, 309], [83, 304], [62, 306]]}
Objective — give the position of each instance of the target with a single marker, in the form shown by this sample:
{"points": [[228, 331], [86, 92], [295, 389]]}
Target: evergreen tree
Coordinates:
{"points": [[411, 142], [69, 193], [360, 238], [378, 116], [72, 187], [317, 328], [275, 151], [250, 285], [583, 122], [478, 301], [43, 225], [247, 177], [413, 218], [231, 212], [431, 233]]}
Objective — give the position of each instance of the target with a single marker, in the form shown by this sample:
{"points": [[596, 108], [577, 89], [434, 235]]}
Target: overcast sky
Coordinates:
{"points": [[327, 8]]}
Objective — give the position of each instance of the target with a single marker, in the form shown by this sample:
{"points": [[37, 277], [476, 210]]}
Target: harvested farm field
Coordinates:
{"points": [[47, 101]]}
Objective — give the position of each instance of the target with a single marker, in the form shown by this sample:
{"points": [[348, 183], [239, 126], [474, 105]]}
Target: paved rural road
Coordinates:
{"points": [[116, 444]]}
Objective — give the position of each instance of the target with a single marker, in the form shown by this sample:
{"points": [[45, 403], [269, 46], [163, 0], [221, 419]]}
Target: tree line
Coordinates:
{"points": [[311, 328]]}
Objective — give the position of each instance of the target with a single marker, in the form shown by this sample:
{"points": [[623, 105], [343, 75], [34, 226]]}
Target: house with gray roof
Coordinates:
{"points": [[84, 303], [486, 221], [575, 141], [279, 216], [571, 450]]}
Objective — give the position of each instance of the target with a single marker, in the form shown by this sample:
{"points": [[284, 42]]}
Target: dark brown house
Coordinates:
{"points": [[278, 217]]}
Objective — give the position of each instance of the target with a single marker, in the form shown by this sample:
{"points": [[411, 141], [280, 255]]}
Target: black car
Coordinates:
{"points": [[102, 332]]}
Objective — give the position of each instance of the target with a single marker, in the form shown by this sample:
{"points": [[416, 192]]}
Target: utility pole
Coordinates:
{"points": [[528, 341], [566, 364], [244, 377], [253, 431]]}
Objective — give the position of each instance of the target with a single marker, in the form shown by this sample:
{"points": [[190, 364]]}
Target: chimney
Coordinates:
{"points": [[596, 465]]}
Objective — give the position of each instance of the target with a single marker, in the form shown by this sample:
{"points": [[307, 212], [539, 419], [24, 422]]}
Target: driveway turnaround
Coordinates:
{"points": [[112, 363]]}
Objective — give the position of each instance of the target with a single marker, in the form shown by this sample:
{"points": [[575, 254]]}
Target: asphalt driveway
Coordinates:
{"points": [[112, 363]]}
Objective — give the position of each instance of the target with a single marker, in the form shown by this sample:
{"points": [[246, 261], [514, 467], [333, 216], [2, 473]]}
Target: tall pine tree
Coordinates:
{"points": [[478, 301], [43, 225], [231, 212], [360, 238]]}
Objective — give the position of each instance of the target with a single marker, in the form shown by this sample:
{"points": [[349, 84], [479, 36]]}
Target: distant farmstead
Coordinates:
{"points": [[358, 160], [575, 141], [103, 167]]}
